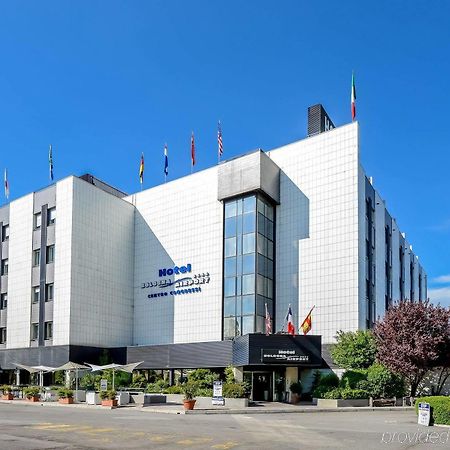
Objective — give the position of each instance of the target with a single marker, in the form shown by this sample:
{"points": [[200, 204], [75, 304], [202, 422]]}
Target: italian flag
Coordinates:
{"points": [[353, 97]]}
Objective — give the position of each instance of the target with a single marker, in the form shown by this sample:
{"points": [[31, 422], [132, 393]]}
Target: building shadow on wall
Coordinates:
{"points": [[154, 306], [292, 227]]}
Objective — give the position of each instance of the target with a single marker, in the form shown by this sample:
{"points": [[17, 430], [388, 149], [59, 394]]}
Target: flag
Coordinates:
{"points": [[353, 97], [219, 139], [6, 184], [166, 161], [50, 162], [307, 323], [192, 150], [141, 169], [290, 322], [268, 322]]}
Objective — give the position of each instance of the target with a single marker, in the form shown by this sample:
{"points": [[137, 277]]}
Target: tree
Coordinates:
{"points": [[354, 349], [412, 339]]}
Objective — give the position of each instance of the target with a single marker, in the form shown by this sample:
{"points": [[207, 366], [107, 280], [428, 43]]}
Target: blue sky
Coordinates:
{"points": [[104, 81]]}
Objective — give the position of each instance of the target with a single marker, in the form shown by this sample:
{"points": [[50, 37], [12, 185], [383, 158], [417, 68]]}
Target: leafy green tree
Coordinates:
{"points": [[354, 349]]}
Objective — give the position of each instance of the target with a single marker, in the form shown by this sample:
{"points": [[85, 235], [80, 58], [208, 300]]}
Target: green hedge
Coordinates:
{"points": [[440, 408], [351, 378], [346, 394]]}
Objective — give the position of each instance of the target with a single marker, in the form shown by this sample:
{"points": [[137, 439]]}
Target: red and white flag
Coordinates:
{"points": [[268, 322], [192, 150], [353, 97], [290, 322], [219, 139]]}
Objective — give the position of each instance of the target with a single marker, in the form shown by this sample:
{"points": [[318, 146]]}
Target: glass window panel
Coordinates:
{"points": [[269, 249], [262, 263], [238, 285], [35, 297], [248, 243], [239, 224], [239, 206], [261, 224], [269, 229], [270, 212], [260, 324], [260, 244], [248, 304], [229, 327], [261, 305], [249, 223], [229, 307], [239, 245], [230, 227], [248, 324], [51, 216], [36, 257], [249, 204], [238, 306], [230, 287], [230, 209], [261, 206], [260, 285], [248, 263], [269, 268], [37, 220], [230, 247], [239, 265], [248, 284], [269, 292], [230, 267]]}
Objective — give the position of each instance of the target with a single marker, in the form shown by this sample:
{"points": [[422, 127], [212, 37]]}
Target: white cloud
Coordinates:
{"points": [[442, 279], [440, 295]]}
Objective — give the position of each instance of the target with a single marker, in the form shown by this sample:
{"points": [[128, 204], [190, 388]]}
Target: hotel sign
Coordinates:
{"points": [[282, 356]]}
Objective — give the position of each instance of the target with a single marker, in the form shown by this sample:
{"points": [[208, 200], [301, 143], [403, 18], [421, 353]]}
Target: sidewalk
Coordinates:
{"points": [[258, 408]]}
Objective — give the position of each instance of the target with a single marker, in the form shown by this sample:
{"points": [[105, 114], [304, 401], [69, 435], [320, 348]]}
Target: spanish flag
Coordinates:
{"points": [[141, 170], [307, 323]]}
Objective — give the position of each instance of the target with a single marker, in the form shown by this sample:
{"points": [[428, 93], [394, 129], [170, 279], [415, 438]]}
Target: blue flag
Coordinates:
{"points": [[166, 161]]}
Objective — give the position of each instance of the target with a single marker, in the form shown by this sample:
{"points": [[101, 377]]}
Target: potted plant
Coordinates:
{"points": [[190, 391], [65, 396], [7, 394], [32, 393], [108, 398], [296, 390]]}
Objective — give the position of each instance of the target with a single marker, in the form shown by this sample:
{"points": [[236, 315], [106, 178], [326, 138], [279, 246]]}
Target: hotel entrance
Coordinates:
{"points": [[266, 386]]}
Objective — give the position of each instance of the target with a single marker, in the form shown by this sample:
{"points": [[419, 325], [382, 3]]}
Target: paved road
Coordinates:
{"points": [[35, 427]]}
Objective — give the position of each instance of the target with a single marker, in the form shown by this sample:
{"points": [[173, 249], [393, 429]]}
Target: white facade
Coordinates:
{"points": [[109, 252]]}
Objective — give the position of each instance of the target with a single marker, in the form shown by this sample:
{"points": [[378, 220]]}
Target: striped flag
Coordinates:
{"points": [[6, 184], [290, 322], [219, 139], [192, 150], [307, 323], [166, 161], [268, 322], [50, 162], [141, 169], [353, 97]]}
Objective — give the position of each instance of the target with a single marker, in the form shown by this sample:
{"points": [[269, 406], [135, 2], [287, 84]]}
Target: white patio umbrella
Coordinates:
{"points": [[37, 369], [122, 367], [70, 367]]}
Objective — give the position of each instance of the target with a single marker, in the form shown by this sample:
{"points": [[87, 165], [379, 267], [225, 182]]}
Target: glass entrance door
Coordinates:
{"points": [[262, 389]]}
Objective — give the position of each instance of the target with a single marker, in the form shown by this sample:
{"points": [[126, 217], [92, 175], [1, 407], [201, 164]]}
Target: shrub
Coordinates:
{"points": [[354, 349], [330, 380], [59, 377], [384, 383], [65, 393], [229, 375], [350, 394], [90, 382], [234, 390], [204, 392], [139, 381], [320, 391], [203, 377], [177, 389], [351, 378], [189, 390], [108, 395], [332, 394], [5, 388], [296, 388], [440, 408], [31, 391]]}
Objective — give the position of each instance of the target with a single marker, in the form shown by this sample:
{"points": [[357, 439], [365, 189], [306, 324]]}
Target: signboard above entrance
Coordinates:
{"points": [[283, 356]]}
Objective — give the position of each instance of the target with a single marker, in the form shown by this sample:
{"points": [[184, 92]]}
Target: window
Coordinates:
{"points": [[5, 233], [49, 292], [35, 294], [3, 335], [34, 331], [3, 301], [51, 216], [48, 330], [36, 257], [50, 254], [37, 220], [4, 267]]}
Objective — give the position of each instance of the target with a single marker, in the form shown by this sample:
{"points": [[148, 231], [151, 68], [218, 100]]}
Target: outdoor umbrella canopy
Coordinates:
{"points": [[122, 367], [71, 367], [37, 369]]}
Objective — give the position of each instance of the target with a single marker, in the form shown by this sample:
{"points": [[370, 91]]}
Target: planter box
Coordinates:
{"points": [[66, 401], [92, 398], [154, 398], [206, 402], [79, 396], [110, 403], [7, 397], [123, 398], [33, 399], [341, 403]]}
